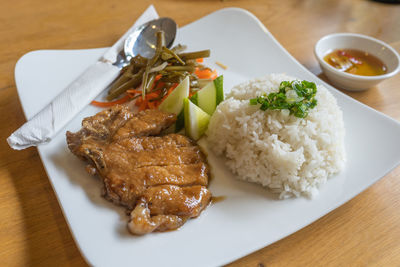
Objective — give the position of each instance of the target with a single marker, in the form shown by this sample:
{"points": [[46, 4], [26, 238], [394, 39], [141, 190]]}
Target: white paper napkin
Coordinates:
{"points": [[52, 118]]}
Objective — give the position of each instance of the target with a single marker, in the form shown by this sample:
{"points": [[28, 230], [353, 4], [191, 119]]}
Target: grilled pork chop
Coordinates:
{"points": [[161, 180]]}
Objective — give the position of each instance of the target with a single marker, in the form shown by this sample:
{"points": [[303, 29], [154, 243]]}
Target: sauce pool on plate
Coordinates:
{"points": [[355, 62]]}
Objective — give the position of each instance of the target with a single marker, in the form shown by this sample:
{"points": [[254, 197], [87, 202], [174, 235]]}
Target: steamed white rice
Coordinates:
{"points": [[289, 155]]}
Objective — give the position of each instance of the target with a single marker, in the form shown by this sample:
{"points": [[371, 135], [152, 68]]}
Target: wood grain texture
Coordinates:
{"points": [[364, 231]]}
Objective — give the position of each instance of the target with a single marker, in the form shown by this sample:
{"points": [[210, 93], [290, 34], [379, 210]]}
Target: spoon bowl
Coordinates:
{"points": [[143, 40]]}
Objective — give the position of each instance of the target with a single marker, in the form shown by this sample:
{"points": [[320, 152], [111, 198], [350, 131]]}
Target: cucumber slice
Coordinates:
{"points": [[180, 121], [207, 98], [174, 102], [219, 86], [210, 96], [196, 120]]}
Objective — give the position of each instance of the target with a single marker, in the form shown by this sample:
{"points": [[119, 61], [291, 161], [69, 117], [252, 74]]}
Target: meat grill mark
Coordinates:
{"points": [[161, 157], [161, 180], [154, 142]]}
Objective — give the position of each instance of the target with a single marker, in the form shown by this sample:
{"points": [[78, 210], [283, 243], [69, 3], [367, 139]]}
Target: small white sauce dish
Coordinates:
{"points": [[353, 82]]}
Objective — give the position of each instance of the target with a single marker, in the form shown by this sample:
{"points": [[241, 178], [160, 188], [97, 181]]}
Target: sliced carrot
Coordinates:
{"points": [[151, 105], [157, 77], [172, 88], [143, 105], [152, 95], [169, 91], [206, 73], [134, 91], [138, 101], [213, 75], [202, 72], [157, 103], [112, 103], [200, 60]]}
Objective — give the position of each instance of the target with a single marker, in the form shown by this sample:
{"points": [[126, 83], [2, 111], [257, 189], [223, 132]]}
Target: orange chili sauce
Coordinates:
{"points": [[356, 62]]}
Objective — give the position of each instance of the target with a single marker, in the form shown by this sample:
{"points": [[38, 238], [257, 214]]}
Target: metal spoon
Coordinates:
{"points": [[143, 40]]}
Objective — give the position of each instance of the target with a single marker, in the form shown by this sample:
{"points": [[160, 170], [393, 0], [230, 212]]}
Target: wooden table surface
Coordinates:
{"points": [[33, 231]]}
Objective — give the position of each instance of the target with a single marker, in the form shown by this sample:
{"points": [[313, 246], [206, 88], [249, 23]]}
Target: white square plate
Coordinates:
{"points": [[250, 217]]}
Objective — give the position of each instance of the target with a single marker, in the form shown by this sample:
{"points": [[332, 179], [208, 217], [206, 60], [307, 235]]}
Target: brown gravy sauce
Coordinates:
{"points": [[217, 199]]}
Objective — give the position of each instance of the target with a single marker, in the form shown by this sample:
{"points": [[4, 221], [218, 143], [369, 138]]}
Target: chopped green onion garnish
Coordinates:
{"points": [[253, 101], [301, 98]]}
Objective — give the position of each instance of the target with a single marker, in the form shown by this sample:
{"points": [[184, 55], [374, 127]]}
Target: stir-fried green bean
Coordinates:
{"points": [[160, 45], [169, 65], [180, 68], [167, 54], [178, 48], [132, 83], [150, 82], [194, 55], [127, 73]]}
